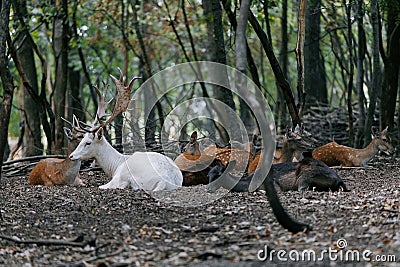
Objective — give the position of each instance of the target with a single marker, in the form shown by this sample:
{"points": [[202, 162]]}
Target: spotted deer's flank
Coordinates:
{"points": [[54, 171], [334, 154], [194, 165], [226, 155], [149, 171]]}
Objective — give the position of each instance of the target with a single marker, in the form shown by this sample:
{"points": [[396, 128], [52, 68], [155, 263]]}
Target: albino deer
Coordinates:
{"points": [[293, 141], [149, 171], [334, 154], [54, 171], [193, 164]]}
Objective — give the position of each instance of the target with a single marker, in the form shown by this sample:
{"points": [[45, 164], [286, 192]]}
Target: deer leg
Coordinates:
{"points": [[118, 181], [78, 181]]}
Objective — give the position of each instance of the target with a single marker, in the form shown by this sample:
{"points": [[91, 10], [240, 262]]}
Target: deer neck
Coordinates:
{"points": [[286, 153], [70, 167], [108, 158], [369, 151]]}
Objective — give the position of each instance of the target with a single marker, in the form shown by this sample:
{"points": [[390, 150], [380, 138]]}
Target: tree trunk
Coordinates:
{"points": [[6, 77], [300, 54], [216, 53], [32, 137], [362, 47], [284, 61], [391, 67], [314, 69], [376, 72], [60, 49], [241, 59]]}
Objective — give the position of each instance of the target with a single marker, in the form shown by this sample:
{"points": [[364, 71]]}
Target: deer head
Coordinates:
{"points": [[89, 146], [383, 140], [299, 140], [193, 147]]}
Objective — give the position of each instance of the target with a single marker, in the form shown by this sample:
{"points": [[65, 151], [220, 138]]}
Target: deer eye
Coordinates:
{"points": [[88, 143]]}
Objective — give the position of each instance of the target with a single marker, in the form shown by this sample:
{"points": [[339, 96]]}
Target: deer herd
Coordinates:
{"points": [[300, 165]]}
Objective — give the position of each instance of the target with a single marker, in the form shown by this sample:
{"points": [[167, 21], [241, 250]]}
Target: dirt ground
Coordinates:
{"points": [[192, 227]]}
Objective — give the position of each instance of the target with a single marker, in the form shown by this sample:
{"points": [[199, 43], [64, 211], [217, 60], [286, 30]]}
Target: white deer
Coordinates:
{"points": [[149, 171]]}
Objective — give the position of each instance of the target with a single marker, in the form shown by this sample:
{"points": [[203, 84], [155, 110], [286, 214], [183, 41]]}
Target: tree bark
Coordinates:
{"points": [[284, 62], [216, 53], [241, 59], [60, 50], [376, 72], [300, 54], [362, 47], [314, 69], [391, 66], [6, 77], [32, 137]]}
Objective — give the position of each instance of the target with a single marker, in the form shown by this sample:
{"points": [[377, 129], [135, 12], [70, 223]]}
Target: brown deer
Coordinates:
{"points": [[242, 155], [194, 165], [334, 154], [293, 141], [54, 171]]}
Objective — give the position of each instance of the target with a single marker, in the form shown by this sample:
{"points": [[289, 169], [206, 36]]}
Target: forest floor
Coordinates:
{"points": [[189, 226]]}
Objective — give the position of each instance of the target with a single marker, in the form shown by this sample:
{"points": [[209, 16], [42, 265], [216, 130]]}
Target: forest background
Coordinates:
{"points": [[310, 58]]}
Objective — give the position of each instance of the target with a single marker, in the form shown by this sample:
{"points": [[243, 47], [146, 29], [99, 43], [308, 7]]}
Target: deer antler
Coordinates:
{"points": [[123, 96], [102, 105], [76, 124]]}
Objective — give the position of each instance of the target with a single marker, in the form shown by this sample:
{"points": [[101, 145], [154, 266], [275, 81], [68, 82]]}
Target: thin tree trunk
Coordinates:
{"points": [[351, 73], [216, 53], [314, 70], [362, 46], [300, 54], [283, 60], [60, 49], [32, 137], [277, 70], [241, 59], [376, 72], [6, 77]]}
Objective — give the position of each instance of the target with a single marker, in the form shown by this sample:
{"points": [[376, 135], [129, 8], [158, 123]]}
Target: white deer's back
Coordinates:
{"points": [[148, 171]]}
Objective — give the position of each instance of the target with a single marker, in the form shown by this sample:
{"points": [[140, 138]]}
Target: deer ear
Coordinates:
{"points": [[68, 133], [99, 133], [193, 137]]}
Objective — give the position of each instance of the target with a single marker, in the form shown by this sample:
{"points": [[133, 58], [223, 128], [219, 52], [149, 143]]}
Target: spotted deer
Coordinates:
{"points": [[243, 155], [54, 171], [293, 141], [193, 164], [334, 154], [149, 171]]}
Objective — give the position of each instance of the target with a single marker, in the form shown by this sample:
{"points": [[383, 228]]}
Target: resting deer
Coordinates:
{"points": [[54, 171], [308, 174], [243, 157], [293, 141], [149, 171], [334, 154], [194, 165]]}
